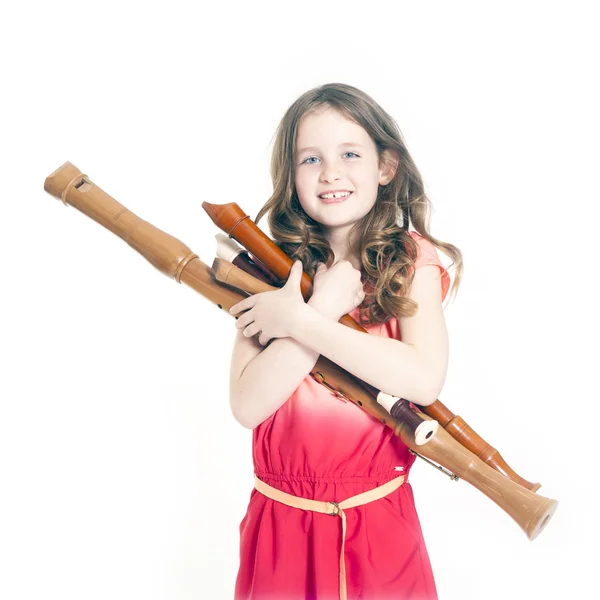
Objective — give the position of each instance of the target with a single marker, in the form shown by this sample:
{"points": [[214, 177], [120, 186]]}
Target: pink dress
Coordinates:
{"points": [[318, 446]]}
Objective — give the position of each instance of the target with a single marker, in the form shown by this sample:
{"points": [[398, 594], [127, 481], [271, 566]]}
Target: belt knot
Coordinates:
{"points": [[336, 508]]}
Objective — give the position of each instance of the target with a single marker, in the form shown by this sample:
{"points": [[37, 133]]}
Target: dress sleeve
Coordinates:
{"points": [[427, 255]]}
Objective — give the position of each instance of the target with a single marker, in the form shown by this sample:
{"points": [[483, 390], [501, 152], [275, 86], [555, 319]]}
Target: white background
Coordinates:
{"points": [[123, 473]]}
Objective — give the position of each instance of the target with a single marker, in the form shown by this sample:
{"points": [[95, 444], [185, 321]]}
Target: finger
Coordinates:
{"points": [[244, 320], [263, 340], [242, 305], [251, 330], [296, 270], [235, 309]]}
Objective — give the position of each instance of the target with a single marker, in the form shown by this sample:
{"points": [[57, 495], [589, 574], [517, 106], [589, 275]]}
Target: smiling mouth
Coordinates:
{"points": [[334, 198]]}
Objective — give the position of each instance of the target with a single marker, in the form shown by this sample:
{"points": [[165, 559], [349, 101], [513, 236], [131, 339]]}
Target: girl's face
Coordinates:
{"points": [[334, 154]]}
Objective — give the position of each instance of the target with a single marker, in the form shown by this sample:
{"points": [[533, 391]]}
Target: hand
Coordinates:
{"points": [[338, 290], [272, 314]]}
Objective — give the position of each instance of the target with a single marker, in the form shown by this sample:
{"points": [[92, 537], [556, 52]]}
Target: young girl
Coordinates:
{"points": [[345, 192]]}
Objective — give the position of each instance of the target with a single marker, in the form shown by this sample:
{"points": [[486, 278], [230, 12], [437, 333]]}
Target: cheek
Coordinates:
{"points": [[299, 183], [301, 193], [303, 186], [364, 174]]}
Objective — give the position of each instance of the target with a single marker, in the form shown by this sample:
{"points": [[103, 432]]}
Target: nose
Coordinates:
{"points": [[330, 172]]}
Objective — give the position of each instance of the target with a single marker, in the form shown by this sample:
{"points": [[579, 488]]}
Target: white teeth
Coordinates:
{"points": [[335, 195]]}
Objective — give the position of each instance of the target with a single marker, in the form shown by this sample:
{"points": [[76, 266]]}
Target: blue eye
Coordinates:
{"points": [[311, 157]]}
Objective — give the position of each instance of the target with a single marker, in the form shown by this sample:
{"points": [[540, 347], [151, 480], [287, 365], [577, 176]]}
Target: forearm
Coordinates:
{"points": [[270, 379], [387, 364]]}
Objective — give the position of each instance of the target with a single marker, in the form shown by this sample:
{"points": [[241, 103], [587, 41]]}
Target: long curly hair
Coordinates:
{"points": [[387, 251]]}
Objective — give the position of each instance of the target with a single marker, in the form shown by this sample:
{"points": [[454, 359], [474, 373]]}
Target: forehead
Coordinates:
{"points": [[327, 127]]}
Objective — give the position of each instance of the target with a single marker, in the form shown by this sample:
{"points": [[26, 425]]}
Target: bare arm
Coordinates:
{"points": [[414, 369], [262, 379]]}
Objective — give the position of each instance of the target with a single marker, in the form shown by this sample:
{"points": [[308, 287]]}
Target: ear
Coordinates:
{"points": [[387, 166]]}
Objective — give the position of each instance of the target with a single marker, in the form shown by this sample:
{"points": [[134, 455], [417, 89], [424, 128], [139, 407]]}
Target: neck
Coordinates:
{"points": [[343, 248]]}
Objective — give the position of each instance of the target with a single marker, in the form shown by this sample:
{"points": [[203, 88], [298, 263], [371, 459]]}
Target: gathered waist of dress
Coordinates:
{"points": [[378, 477]]}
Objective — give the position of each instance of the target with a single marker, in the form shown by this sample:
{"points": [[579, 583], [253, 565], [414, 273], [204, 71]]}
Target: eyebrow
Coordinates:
{"points": [[344, 145]]}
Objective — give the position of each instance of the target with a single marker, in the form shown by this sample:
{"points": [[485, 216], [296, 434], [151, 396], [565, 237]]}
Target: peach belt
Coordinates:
{"points": [[331, 508]]}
